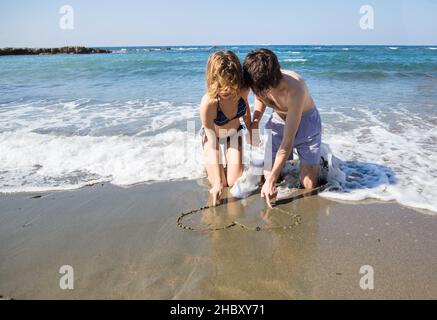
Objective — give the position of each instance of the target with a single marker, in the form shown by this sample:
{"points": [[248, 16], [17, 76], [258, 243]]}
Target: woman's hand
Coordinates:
{"points": [[216, 193]]}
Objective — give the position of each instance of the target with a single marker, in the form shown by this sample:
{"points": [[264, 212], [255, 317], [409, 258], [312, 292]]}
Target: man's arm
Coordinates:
{"points": [[295, 108], [292, 123]]}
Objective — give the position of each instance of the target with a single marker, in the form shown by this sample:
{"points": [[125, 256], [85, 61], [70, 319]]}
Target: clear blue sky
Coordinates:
{"points": [[192, 22]]}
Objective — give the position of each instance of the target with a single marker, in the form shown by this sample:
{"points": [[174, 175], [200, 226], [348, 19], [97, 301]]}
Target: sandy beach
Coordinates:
{"points": [[124, 243]]}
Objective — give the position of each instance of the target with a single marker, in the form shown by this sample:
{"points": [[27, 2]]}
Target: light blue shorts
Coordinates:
{"points": [[307, 141]]}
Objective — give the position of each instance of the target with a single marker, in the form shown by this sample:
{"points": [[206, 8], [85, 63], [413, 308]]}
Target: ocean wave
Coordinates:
{"points": [[186, 49], [373, 161], [295, 60], [370, 162], [123, 50], [87, 117], [41, 162], [364, 75], [60, 145], [354, 75], [180, 49]]}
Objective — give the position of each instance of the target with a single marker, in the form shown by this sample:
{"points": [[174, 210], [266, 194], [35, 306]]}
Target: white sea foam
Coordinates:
{"points": [[37, 162], [377, 163], [295, 60], [185, 49], [66, 145], [388, 155], [85, 117], [393, 48], [120, 51], [386, 178], [432, 48]]}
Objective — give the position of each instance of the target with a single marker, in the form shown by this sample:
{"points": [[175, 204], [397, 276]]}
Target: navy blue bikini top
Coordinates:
{"points": [[221, 119]]}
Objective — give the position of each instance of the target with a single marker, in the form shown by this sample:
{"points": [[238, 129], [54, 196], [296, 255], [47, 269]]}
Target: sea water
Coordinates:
{"points": [[67, 121]]}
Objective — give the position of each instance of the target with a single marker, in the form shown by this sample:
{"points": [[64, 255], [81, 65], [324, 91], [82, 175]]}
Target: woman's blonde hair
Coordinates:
{"points": [[224, 71]]}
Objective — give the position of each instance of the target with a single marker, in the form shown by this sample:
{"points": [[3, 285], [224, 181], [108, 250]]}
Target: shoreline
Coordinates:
{"points": [[144, 184], [124, 243]]}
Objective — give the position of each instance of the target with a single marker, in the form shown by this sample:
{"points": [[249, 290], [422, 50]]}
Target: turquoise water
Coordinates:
{"points": [[70, 120], [177, 75]]}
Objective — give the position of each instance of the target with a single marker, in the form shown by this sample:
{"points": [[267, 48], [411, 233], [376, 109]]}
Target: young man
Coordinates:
{"points": [[295, 121]]}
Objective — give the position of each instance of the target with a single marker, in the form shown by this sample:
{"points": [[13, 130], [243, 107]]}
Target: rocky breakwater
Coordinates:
{"points": [[63, 50]]}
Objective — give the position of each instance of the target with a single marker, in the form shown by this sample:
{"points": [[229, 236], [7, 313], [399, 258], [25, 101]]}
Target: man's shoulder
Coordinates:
{"points": [[294, 81], [293, 75]]}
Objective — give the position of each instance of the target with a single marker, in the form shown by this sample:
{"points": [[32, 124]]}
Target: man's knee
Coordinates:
{"points": [[310, 178], [309, 183]]}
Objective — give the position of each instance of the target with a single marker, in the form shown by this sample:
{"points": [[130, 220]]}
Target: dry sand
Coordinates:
{"points": [[125, 244]]}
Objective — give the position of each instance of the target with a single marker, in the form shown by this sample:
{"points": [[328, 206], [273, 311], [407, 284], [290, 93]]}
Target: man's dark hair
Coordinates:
{"points": [[261, 70]]}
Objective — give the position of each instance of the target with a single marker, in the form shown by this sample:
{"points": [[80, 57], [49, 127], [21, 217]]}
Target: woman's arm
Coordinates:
{"points": [[208, 113]]}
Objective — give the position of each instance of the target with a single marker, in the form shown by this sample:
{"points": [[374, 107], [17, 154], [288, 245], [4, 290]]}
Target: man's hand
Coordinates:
{"points": [[216, 193], [269, 191]]}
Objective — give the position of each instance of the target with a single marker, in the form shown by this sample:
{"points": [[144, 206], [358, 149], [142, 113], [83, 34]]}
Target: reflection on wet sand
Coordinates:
{"points": [[246, 263]]}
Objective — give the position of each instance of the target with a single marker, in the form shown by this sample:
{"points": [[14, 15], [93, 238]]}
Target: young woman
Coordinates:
{"points": [[222, 106]]}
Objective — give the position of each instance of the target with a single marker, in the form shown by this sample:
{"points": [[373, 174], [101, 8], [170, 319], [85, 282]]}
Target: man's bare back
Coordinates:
{"points": [[278, 99]]}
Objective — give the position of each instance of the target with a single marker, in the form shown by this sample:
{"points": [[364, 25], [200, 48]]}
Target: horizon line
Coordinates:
{"points": [[224, 45]]}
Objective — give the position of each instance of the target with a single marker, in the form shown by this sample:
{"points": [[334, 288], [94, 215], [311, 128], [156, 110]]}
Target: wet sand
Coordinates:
{"points": [[125, 244]]}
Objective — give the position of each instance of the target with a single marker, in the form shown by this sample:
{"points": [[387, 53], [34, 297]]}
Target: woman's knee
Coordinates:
{"points": [[234, 174]]}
